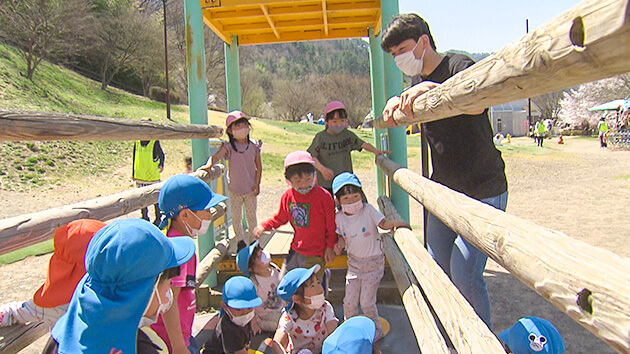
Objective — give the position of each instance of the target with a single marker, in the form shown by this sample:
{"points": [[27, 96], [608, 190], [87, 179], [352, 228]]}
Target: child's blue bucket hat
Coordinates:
{"points": [[185, 192], [292, 281], [344, 178], [533, 335], [240, 293], [354, 336], [242, 258], [122, 261]]}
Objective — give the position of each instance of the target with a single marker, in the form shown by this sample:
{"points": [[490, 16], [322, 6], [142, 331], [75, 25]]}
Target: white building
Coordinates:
{"points": [[511, 118]]}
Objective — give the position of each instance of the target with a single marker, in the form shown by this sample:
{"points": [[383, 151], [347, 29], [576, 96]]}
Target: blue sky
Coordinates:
{"points": [[483, 25]]}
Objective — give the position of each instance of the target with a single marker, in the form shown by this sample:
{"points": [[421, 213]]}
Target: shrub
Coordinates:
{"points": [[157, 93]]}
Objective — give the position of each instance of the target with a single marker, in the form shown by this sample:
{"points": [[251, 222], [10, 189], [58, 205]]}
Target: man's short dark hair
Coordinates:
{"points": [[403, 27], [299, 169]]}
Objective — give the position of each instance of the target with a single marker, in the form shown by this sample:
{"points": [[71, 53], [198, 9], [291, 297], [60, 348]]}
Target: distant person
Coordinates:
{"points": [[255, 263], [602, 128], [148, 163], [357, 227], [532, 335], [187, 165], [65, 270], [233, 333], [308, 318], [185, 202], [331, 147], [244, 173], [311, 211], [463, 155], [540, 133], [107, 308]]}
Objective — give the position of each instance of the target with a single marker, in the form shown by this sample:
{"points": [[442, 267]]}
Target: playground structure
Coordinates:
{"points": [[589, 284]]}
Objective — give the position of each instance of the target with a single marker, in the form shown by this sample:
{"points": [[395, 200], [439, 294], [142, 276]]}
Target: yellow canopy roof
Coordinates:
{"points": [[272, 21]]}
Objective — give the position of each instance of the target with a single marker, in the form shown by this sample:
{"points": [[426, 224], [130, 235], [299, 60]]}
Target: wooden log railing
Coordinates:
{"points": [[15, 338], [588, 42], [28, 229], [40, 126], [587, 283], [464, 328]]}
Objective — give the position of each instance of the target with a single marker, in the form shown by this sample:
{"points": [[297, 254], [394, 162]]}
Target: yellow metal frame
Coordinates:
{"points": [[273, 21]]}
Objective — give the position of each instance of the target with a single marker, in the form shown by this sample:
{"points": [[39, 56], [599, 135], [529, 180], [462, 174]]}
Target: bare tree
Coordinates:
{"points": [[352, 90], [293, 99], [549, 104], [148, 62], [45, 29]]}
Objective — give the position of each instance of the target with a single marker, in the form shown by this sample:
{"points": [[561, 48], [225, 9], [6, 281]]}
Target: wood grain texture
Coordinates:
{"points": [[15, 338], [465, 329], [28, 229], [40, 126], [551, 263], [588, 42]]}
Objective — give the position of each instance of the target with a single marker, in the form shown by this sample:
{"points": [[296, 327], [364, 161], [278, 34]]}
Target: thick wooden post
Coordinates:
{"points": [[589, 42], [587, 283]]}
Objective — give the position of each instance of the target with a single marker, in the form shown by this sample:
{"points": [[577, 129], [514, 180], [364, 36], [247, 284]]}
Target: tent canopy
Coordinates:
{"points": [[608, 106]]}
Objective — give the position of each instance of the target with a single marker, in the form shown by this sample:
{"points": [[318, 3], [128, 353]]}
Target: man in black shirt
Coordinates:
{"points": [[463, 155]]}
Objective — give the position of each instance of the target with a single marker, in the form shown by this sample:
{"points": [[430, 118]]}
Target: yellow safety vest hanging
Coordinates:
{"points": [[144, 167]]}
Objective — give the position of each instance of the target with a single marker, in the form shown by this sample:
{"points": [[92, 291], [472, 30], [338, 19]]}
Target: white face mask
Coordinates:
{"points": [[205, 225], [240, 134], [317, 301], [352, 208], [408, 64], [265, 257], [336, 129], [162, 307], [243, 320], [304, 190]]}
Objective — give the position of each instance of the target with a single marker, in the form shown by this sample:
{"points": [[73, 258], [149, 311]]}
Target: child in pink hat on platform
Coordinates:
{"points": [[244, 172], [331, 147]]}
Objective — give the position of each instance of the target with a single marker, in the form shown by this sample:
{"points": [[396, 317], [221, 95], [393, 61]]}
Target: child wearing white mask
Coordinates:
{"points": [[357, 223], [161, 301], [244, 172], [308, 319], [234, 331], [256, 264], [184, 201]]}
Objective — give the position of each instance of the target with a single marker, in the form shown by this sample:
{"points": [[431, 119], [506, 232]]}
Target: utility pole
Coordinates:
{"points": [[168, 89]]}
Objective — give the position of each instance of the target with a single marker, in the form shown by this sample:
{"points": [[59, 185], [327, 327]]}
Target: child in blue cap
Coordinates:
{"points": [[256, 264], [357, 224], [308, 318], [123, 261], [184, 201], [234, 332], [532, 335], [354, 336]]}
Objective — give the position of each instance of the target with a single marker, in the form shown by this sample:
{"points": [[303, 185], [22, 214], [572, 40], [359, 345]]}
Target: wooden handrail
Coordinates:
{"points": [[465, 329], [591, 41], [28, 229], [587, 283], [40, 126]]}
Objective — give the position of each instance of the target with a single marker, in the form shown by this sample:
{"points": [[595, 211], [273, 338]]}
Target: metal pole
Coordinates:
{"points": [[529, 100], [197, 104], [397, 136], [378, 99], [168, 89]]}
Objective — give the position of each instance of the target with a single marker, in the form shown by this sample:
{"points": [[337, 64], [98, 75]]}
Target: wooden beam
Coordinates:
{"points": [[40, 126], [261, 38], [28, 229], [379, 23], [587, 283], [15, 338], [428, 335], [468, 333], [216, 27], [589, 42], [270, 21], [325, 17]]}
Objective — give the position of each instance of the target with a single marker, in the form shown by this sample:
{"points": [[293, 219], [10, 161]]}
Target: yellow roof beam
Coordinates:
{"points": [[221, 13], [218, 29], [283, 25], [325, 16], [270, 20], [261, 38]]}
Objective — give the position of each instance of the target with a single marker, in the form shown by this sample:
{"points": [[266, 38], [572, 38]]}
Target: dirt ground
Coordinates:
{"points": [[581, 190]]}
